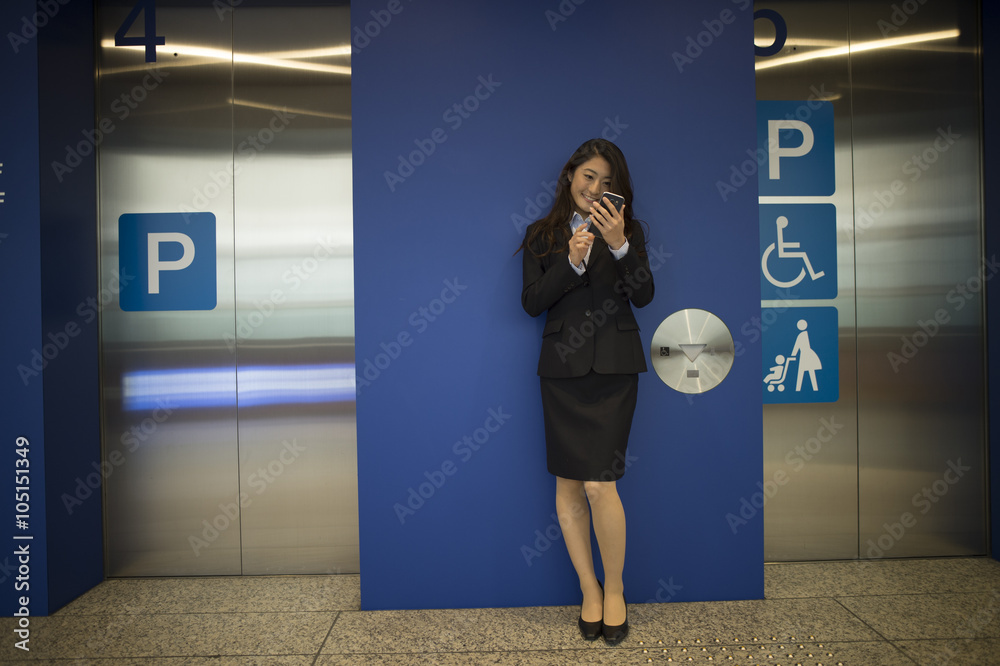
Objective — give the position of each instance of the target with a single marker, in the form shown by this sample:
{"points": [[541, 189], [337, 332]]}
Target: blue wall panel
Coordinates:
{"points": [[70, 301], [991, 168], [22, 336], [463, 115], [48, 257]]}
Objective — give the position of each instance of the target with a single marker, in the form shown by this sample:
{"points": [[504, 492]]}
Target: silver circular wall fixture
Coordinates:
{"points": [[692, 351]]}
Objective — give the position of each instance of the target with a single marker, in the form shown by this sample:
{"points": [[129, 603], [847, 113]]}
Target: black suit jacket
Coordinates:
{"points": [[590, 324]]}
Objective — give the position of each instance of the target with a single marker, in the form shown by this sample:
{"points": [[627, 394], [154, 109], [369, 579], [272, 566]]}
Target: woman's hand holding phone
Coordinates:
{"points": [[607, 215]]}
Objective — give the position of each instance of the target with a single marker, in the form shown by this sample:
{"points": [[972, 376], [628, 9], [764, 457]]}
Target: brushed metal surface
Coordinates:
{"points": [[810, 450], [903, 474], [921, 411], [692, 351], [235, 427], [172, 463], [295, 290]]}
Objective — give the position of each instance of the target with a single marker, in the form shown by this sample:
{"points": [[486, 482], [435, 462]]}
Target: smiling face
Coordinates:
{"points": [[588, 182]]}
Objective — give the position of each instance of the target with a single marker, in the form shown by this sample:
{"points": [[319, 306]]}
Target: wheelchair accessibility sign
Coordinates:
{"points": [[798, 251], [801, 357]]}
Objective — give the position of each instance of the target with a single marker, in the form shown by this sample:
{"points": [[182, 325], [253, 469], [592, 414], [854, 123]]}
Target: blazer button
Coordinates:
{"points": [[587, 313]]}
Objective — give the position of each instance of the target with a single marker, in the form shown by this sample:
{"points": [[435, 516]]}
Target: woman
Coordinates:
{"points": [[808, 358], [585, 265]]}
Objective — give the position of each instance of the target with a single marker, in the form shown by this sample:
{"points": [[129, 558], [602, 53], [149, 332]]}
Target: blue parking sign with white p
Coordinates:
{"points": [[170, 259], [801, 355], [795, 143], [798, 251]]}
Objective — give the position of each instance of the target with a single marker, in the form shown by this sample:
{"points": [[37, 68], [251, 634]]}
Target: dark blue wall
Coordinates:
{"points": [[456, 506], [48, 255], [69, 280], [20, 395], [991, 166]]}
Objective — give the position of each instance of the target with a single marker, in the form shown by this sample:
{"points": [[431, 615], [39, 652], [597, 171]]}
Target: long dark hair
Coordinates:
{"points": [[553, 228]]}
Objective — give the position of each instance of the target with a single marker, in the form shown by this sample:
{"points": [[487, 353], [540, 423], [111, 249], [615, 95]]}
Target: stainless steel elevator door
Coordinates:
{"points": [[229, 433], [815, 513], [295, 291], [903, 473], [921, 390]]}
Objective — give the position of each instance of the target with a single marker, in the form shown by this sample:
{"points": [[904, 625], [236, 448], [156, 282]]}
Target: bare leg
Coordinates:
{"points": [[574, 520], [609, 525]]}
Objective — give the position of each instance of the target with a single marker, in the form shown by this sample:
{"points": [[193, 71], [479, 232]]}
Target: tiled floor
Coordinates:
{"points": [[871, 613]]}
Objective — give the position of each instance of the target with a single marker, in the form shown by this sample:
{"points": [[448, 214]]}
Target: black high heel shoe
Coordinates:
{"points": [[615, 635], [591, 630]]}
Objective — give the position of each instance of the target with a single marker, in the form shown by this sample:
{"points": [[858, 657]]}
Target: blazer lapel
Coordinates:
{"points": [[599, 252]]}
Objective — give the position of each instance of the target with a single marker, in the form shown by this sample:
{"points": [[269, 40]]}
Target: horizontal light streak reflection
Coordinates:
{"points": [[858, 47], [146, 390], [295, 110], [287, 62]]}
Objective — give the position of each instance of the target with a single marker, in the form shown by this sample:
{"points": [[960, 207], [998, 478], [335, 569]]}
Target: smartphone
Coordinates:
{"points": [[616, 200]]}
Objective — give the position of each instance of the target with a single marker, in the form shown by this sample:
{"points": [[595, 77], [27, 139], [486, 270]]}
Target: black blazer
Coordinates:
{"points": [[590, 324]]}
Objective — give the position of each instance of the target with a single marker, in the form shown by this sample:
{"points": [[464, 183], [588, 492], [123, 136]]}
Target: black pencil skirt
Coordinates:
{"points": [[587, 423]]}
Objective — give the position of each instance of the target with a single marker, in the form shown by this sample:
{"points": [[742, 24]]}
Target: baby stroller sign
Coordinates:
{"points": [[801, 357]]}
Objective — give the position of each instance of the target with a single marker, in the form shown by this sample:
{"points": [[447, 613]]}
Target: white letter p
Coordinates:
{"points": [[156, 265], [774, 150]]}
